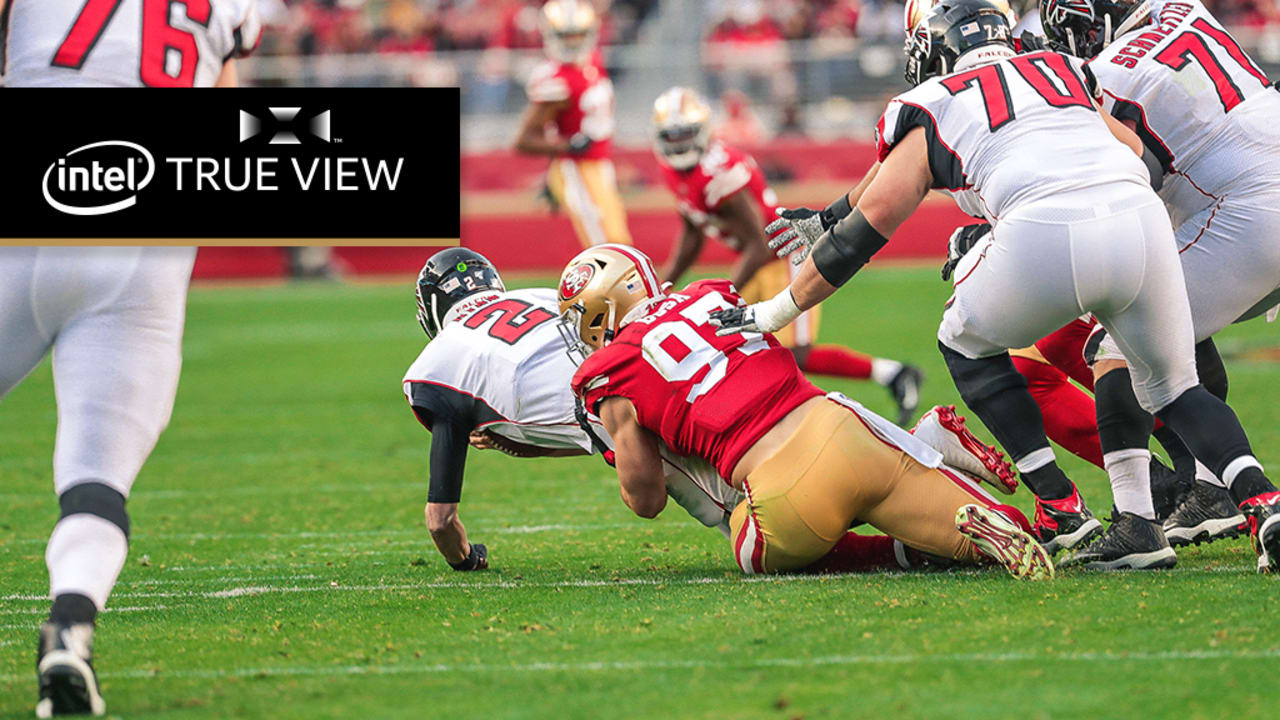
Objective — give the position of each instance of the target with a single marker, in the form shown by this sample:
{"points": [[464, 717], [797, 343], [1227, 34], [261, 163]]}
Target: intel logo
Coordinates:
{"points": [[98, 178]]}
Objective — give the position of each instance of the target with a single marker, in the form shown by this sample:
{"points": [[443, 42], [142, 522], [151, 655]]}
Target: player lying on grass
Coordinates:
{"points": [[496, 375], [1082, 232], [723, 194], [656, 372]]}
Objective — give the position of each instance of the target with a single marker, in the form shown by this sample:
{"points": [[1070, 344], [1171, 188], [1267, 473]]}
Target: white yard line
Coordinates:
{"points": [[692, 664], [29, 626]]}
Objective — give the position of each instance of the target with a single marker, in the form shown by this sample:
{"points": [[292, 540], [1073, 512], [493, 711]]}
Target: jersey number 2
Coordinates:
{"points": [[515, 319], [160, 40]]}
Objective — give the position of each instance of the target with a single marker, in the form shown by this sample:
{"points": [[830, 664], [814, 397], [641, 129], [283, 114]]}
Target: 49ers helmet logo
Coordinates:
{"points": [[575, 279]]}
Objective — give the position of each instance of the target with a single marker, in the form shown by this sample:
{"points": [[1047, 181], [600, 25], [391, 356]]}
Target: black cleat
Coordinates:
{"points": [[68, 684], [1131, 543], [1262, 512], [1207, 514], [1169, 489], [1065, 523], [905, 388]]}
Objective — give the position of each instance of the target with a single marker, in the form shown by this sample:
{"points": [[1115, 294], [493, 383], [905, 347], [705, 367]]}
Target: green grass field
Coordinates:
{"points": [[280, 567]]}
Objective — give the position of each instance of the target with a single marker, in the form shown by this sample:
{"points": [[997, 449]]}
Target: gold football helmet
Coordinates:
{"points": [[570, 29], [681, 127], [598, 288]]}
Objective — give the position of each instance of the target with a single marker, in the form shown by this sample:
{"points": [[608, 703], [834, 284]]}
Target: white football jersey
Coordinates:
{"points": [[1200, 103], [125, 43], [505, 350], [1014, 131]]}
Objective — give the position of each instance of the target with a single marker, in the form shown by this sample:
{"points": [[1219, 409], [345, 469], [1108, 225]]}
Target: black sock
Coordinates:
{"points": [[1048, 482], [1248, 483], [1213, 432], [1184, 463], [71, 608], [1122, 423]]}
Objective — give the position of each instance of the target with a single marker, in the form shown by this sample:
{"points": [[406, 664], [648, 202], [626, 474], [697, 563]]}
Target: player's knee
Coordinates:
{"points": [[95, 498], [981, 378], [1213, 374]]}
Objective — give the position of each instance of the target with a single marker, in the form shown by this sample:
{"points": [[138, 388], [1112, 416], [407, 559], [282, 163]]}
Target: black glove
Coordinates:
{"points": [[477, 560], [961, 242], [1030, 42], [579, 143]]}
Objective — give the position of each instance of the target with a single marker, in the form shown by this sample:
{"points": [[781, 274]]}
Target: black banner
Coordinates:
{"points": [[356, 164]]}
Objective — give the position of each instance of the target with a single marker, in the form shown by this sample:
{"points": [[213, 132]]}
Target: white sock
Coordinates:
{"points": [[1206, 475], [85, 556], [1130, 472], [884, 371], [1035, 460], [1235, 467]]}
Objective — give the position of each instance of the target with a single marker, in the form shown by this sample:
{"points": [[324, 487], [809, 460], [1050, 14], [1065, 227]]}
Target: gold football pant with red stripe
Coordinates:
{"points": [[771, 280], [834, 471], [587, 190]]}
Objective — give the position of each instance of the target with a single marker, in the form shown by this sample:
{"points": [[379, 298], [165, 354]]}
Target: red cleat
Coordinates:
{"points": [[943, 430]]}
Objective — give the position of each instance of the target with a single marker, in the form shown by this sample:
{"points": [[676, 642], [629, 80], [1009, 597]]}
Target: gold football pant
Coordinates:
{"points": [[771, 280], [588, 192], [833, 472]]}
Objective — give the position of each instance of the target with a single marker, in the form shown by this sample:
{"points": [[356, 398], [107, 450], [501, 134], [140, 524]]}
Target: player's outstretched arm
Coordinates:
{"points": [[644, 489], [688, 248], [899, 185], [229, 77], [796, 230], [531, 138]]}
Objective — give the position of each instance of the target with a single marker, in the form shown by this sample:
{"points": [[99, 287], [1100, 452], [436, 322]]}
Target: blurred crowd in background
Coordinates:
{"points": [[816, 67]]}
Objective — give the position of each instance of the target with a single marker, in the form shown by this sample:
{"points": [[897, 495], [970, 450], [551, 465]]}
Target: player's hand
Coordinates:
{"points": [[477, 560], [961, 242], [736, 320], [797, 230], [579, 143], [1031, 42]]}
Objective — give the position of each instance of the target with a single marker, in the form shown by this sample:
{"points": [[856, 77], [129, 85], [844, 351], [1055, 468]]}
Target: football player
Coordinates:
{"points": [[112, 317], [1078, 233], [570, 120], [1205, 113], [811, 465], [495, 375], [723, 194]]}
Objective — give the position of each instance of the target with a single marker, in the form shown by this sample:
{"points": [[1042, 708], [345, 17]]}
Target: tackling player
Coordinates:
{"points": [[112, 317], [723, 194], [656, 371], [496, 375], [570, 120], [1205, 113], [1083, 233]]}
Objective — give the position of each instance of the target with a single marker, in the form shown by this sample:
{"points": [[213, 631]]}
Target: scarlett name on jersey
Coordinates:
{"points": [[1171, 16]]}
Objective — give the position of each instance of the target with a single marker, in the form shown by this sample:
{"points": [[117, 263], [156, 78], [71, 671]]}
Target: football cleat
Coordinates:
{"points": [[905, 387], [1207, 514], [1001, 540], [1169, 488], [910, 558], [68, 684], [943, 430], [1262, 513], [1066, 523], [1131, 543]]}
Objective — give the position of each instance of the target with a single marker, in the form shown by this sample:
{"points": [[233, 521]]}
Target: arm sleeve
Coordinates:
{"points": [[450, 415]]}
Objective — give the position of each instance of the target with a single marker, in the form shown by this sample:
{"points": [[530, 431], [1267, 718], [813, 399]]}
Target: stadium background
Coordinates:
{"points": [[798, 83]]}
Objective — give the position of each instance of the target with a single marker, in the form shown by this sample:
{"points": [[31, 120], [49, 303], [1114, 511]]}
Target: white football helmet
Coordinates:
{"points": [[681, 127]]}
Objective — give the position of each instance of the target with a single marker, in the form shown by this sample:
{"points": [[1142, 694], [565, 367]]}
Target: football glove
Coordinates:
{"points": [[477, 560], [763, 317], [798, 229], [580, 143], [1030, 42], [961, 242]]}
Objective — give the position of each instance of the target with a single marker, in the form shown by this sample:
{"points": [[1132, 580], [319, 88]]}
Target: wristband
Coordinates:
{"points": [[837, 211], [777, 312]]}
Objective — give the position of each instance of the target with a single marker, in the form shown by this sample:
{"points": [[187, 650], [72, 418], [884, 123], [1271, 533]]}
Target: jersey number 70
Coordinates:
{"points": [[160, 40], [1047, 73]]}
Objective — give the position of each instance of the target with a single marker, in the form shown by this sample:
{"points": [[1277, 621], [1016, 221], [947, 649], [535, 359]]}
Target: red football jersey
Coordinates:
{"points": [[589, 94], [707, 396], [702, 189]]}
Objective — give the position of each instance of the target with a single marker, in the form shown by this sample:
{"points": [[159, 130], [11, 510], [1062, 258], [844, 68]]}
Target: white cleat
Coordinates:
{"points": [[1004, 542], [943, 430]]}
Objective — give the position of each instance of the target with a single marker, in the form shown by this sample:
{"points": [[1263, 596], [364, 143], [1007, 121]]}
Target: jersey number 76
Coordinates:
{"points": [[160, 40]]}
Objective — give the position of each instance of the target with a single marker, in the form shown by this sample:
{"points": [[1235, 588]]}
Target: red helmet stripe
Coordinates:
{"points": [[647, 274]]}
